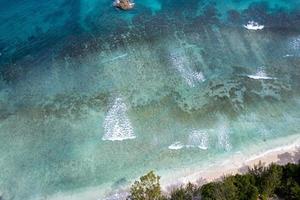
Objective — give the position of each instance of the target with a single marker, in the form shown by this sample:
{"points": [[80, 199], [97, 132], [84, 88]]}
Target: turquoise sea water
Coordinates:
{"points": [[93, 96]]}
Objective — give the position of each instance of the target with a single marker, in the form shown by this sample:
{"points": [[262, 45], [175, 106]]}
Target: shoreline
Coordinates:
{"points": [[234, 164]]}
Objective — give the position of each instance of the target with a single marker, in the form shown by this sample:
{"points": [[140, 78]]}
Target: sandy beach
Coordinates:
{"points": [[237, 163]]}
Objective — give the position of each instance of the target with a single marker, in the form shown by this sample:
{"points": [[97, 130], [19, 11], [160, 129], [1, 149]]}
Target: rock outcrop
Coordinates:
{"points": [[124, 4]]}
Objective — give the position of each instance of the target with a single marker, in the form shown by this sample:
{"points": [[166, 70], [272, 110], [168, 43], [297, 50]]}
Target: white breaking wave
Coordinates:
{"points": [[117, 125], [223, 136], [190, 76], [196, 139], [294, 43], [199, 139], [288, 55], [252, 25], [260, 75], [176, 146]]}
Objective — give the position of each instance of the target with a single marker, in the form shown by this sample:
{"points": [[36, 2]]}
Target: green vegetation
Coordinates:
{"points": [[259, 183], [148, 188], [190, 192]]}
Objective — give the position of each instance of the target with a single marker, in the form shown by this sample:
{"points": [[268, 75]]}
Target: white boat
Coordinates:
{"points": [[252, 25]]}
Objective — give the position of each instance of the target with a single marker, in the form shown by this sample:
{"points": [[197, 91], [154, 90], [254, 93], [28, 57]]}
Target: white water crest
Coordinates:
{"points": [[252, 25], [196, 139], [261, 74], [199, 139], [117, 125], [190, 76], [176, 146], [294, 43], [288, 55], [223, 136]]}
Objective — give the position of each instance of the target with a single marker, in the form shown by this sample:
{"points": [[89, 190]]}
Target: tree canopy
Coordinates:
{"points": [[147, 188], [260, 182]]}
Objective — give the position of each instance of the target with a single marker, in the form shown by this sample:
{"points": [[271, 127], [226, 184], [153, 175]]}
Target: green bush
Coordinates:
{"points": [[209, 191], [148, 188], [246, 187], [270, 180], [295, 191], [259, 183], [290, 181], [190, 192]]}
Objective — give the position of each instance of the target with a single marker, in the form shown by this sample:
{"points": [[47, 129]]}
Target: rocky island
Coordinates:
{"points": [[124, 4]]}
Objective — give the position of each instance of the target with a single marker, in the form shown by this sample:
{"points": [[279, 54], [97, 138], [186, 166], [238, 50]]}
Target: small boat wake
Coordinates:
{"points": [[252, 25]]}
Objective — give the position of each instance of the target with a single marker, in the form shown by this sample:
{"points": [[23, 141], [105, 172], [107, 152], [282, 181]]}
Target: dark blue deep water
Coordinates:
{"points": [[93, 97]]}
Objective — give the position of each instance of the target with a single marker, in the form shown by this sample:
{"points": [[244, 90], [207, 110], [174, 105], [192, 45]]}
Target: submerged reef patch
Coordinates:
{"points": [[93, 96]]}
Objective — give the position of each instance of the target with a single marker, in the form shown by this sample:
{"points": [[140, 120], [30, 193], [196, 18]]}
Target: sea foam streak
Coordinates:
{"points": [[117, 125], [294, 43], [223, 136], [252, 25], [176, 146], [116, 58], [260, 75], [190, 76], [288, 55], [199, 139]]}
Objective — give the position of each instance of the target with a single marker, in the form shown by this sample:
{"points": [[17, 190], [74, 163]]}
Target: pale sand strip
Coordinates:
{"points": [[237, 163]]}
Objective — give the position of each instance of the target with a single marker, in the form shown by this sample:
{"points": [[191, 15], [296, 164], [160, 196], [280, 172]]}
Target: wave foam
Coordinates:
{"points": [[288, 55], [198, 139], [117, 125], [190, 76], [176, 146], [223, 136], [260, 75], [252, 25], [294, 44]]}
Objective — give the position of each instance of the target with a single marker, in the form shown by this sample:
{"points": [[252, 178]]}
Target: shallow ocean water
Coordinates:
{"points": [[93, 96]]}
